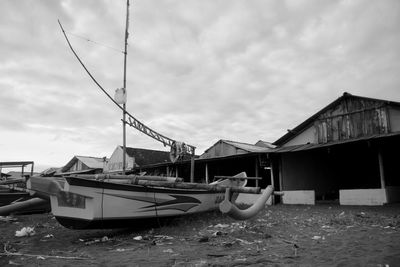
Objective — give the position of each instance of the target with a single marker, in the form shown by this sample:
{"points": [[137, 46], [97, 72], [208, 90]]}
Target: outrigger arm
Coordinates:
{"points": [[229, 208]]}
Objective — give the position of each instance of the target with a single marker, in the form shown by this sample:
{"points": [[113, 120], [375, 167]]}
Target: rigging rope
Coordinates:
{"points": [[132, 120], [97, 43]]}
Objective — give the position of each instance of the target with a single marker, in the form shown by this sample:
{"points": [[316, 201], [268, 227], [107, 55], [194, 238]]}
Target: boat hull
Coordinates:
{"points": [[92, 204]]}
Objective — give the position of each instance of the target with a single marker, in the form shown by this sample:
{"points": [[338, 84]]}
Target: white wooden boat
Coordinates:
{"points": [[86, 202]]}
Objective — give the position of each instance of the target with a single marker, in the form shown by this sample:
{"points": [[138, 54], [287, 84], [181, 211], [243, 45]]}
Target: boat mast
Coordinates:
{"points": [[132, 121], [124, 90]]}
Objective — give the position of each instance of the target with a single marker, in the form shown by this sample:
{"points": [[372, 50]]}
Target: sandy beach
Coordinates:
{"points": [[281, 235]]}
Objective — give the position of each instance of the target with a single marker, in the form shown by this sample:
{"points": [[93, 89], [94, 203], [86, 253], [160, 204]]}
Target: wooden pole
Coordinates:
{"points": [[6, 210], [192, 169], [256, 170], [280, 173], [127, 177], [14, 181], [207, 179], [236, 178], [124, 86]]}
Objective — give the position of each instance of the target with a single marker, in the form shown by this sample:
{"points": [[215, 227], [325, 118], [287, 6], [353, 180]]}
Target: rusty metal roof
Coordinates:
{"points": [[247, 147], [11, 164], [296, 148]]}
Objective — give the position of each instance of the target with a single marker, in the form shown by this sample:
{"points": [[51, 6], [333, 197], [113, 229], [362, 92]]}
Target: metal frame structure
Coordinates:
{"points": [[17, 164]]}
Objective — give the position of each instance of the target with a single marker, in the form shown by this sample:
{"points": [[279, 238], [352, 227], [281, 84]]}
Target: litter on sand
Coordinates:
{"points": [[26, 231]]}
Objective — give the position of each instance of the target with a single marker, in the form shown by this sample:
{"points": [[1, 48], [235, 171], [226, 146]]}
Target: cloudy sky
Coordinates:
{"points": [[198, 71]]}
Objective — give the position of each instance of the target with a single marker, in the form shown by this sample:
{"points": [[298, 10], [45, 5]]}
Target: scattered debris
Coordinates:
{"points": [[217, 233], [168, 251], [97, 240], [26, 231], [221, 225], [317, 237], [244, 241], [204, 239], [42, 257], [138, 238], [163, 237], [7, 219], [217, 254], [266, 236]]}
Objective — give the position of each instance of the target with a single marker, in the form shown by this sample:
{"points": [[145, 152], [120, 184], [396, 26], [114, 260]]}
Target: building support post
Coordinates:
{"points": [[256, 170], [192, 169], [381, 169], [32, 169], [207, 181], [271, 168], [280, 173]]}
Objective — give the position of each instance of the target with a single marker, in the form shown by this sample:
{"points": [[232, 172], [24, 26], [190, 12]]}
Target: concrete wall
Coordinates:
{"points": [[306, 197], [370, 197], [367, 197]]}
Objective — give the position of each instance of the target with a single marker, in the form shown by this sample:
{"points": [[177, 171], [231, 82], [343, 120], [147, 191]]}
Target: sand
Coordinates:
{"points": [[281, 235]]}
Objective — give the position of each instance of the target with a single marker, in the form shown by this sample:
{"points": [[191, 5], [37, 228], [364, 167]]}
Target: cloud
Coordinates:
{"points": [[198, 71]]}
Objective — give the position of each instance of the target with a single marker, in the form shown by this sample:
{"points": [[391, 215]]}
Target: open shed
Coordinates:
{"points": [[345, 152]]}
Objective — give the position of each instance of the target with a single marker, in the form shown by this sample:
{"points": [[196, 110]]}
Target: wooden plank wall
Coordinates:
{"points": [[353, 118]]}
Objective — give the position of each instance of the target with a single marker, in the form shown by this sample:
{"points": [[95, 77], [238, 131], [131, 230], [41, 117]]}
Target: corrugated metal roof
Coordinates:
{"points": [[265, 144], [92, 162], [315, 146], [247, 147], [10, 164]]}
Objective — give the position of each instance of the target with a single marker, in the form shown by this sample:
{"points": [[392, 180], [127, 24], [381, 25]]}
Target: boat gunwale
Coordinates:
{"points": [[74, 181]]}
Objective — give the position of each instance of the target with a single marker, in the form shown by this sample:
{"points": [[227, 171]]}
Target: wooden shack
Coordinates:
{"points": [[135, 158], [83, 164], [345, 153]]}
